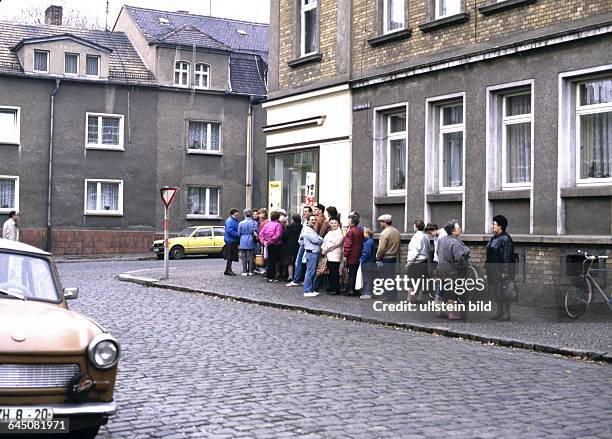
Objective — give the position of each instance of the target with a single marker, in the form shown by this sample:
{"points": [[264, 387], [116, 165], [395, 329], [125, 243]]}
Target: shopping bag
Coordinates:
{"points": [[359, 279]]}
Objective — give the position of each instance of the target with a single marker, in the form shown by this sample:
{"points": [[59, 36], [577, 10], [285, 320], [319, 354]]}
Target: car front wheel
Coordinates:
{"points": [[177, 252]]}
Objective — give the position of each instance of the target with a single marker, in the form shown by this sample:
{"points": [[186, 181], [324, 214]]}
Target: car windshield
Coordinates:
{"points": [[186, 232], [28, 277]]}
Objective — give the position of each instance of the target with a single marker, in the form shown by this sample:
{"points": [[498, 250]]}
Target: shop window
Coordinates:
{"points": [[296, 175]]}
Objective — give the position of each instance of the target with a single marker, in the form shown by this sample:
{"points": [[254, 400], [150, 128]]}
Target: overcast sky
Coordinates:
{"points": [[250, 10]]}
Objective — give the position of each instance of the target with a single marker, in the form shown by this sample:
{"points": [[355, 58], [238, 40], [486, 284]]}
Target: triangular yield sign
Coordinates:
{"points": [[167, 195]]}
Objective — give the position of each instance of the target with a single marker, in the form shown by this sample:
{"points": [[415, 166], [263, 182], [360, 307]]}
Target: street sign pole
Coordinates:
{"points": [[166, 255], [167, 196]]}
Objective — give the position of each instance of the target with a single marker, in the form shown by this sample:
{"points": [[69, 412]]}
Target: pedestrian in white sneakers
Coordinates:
{"points": [[312, 249]]}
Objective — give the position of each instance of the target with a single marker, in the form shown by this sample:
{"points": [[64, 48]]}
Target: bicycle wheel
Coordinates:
{"points": [[577, 298]]}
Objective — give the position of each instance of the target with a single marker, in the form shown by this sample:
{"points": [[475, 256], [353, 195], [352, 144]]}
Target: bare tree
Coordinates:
{"points": [[70, 18]]}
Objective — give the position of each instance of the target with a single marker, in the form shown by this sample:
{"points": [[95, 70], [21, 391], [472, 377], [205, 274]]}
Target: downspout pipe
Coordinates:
{"points": [[249, 159], [50, 175]]}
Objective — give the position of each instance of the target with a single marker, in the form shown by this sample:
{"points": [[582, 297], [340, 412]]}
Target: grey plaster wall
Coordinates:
{"points": [[518, 210], [218, 70], [260, 159], [441, 213], [595, 214]]}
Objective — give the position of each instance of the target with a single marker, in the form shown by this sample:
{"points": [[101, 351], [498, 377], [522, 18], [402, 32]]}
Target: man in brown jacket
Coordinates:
{"points": [[322, 225], [388, 250]]}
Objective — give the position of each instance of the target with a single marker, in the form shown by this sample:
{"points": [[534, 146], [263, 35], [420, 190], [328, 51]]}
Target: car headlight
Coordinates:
{"points": [[103, 351]]}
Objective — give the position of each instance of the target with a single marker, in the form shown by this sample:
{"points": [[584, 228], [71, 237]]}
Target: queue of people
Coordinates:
{"points": [[313, 248]]}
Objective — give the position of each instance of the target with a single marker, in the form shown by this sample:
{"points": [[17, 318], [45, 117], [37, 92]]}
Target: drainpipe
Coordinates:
{"points": [[249, 159], [50, 176]]}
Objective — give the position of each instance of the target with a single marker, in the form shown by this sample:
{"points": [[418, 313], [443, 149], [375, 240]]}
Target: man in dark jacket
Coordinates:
{"points": [[353, 244], [231, 239]]}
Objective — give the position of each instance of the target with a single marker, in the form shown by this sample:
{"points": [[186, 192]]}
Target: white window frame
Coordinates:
{"points": [[180, 71], [16, 207], [511, 120], [99, 65], [46, 52], [99, 145], [199, 75], [303, 9], [77, 64], [582, 110], [206, 215], [437, 15], [102, 212], [208, 138], [446, 129], [16, 138], [395, 136], [386, 7]]}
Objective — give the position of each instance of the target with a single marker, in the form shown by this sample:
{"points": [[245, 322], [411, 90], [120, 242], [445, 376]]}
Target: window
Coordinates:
{"points": [[297, 173], [309, 27], [41, 61], [594, 131], [181, 73], [9, 125], [204, 136], [396, 153], [202, 75], [446, 8], [451, 147], [202, 202], [9, 193], [103, 197], [517, 119], [204, 233], [104, 131], [71, 64], [92, 66], [393, 14]]}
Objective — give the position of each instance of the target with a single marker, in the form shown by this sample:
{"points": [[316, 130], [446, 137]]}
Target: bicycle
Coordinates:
{"points": [[579, 293]]}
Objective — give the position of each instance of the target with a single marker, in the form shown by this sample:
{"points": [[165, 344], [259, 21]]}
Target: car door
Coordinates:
{"points": [[203, 240], [219, 234]]}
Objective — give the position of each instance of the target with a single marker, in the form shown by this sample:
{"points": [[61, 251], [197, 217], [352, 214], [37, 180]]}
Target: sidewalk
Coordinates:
{"points": [[105, 257], [531, 328]]}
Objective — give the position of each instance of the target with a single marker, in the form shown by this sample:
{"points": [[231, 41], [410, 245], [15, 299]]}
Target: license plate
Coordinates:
{"points": [[25, 414]]}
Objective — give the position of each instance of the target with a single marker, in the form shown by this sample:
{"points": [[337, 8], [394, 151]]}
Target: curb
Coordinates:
{"points": [[80, 259], [566, 351]]}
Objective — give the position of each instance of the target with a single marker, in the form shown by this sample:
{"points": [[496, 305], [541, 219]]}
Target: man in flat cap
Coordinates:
{"points": [[388, 250]]}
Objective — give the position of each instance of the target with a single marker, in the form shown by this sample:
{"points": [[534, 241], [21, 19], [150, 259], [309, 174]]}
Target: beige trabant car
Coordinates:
{"points": [[54, 363]]}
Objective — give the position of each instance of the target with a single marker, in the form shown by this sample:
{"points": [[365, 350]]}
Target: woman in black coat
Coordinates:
{"points": [[500, 267], [290, 244]]}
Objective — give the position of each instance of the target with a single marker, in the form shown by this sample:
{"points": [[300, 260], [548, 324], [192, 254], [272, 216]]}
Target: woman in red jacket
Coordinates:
{"points": [[353, 244]]}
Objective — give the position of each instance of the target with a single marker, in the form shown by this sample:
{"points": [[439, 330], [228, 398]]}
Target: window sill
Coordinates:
{"points": [[379, 40], [390, 199], [102, 213], [10, 142], [587, 191], [444, 22], [193, 216], [503, 6], [199, 152], [105, 148], [510, 194], [312, 58], [445, 198], [7, 210]]}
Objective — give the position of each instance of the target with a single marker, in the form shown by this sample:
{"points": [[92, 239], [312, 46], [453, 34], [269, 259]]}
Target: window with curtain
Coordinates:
{"points": [[71, 64], [204, 136], [92, 65], [104, 131], [393, 15], [396, 153], [202, 75], [8, 193], [445, 8], [203, 201], [104, 197], [41, 61], [516, 142], [451, 147], [181, 73], [594, 128], [309, 27], [9, 125]]}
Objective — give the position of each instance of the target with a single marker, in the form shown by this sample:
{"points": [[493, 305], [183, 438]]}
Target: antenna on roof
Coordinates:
{"points": [[210, 8], [106, 22]]}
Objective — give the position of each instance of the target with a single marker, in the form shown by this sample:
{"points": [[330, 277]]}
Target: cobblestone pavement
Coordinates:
{"points": [[592, 333], [194, 366]]}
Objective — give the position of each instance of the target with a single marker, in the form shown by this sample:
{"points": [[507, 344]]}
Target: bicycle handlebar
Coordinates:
{"points": [[591, 257]]}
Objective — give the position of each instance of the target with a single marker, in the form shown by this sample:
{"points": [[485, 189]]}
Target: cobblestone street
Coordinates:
{"points": [[194, 366]]}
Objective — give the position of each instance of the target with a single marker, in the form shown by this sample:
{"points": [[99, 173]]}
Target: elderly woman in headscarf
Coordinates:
{"points": [[500, 267]]}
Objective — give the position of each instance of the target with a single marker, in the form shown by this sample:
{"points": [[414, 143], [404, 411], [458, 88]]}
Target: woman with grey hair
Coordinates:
{"points": [[453, 257], [247, 229]]}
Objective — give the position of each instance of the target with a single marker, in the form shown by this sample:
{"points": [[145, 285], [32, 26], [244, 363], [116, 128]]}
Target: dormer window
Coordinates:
{"points": [[41, 61], [92, 66], [202, 75], [71, 64], [181, 73]]}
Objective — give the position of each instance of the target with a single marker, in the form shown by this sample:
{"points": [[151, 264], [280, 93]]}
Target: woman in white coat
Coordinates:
{"points": [[332, 248]]}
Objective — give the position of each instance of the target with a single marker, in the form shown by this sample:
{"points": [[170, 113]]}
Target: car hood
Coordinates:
{"points": [[43, 328]]}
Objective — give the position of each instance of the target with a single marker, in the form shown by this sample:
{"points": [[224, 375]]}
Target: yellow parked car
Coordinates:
{"points": [[196, 240]]}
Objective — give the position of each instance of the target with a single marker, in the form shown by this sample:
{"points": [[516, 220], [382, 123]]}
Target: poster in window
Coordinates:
{"points": [[311, 184], [275, 194]]}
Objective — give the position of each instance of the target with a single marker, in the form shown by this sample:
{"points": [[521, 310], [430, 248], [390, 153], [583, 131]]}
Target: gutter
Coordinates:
{"points": [[249, 159], [50, 175]]}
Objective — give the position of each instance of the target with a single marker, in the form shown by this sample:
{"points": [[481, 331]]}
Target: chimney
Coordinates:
{"points": [[53, 15]]}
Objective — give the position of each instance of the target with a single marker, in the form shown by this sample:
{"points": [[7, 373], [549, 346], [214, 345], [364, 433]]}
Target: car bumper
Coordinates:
{"points": [[80, 409]]}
